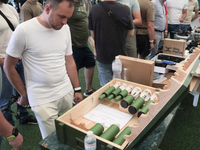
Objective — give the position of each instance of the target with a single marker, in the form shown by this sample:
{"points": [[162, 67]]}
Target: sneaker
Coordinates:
{"points": [[29, 120], [89, 92]]}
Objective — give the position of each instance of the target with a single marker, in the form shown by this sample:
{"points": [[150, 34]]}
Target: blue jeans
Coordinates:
{"points": [[184, 27], [172, 29], [105, 73], [6, 94]]}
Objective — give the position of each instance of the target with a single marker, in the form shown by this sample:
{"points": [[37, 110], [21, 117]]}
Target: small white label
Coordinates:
{"points": [[90, 146], [146, 95], [136, 92]]}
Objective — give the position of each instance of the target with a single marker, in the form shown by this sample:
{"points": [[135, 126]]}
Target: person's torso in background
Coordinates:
{"points": [[160, 19], [31, 10], [192, 5], [78, 24], [147, 14], [174, 8], [5, 31]]}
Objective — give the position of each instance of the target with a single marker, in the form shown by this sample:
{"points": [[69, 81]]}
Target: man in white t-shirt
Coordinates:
{"points": [[50, 71], [192, 5], [177, 11]]}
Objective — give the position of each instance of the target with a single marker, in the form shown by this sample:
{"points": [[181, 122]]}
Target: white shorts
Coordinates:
{"points": [[47, 113]]}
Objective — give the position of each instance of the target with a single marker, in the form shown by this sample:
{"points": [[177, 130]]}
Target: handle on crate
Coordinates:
{"points": [[80, 143]]}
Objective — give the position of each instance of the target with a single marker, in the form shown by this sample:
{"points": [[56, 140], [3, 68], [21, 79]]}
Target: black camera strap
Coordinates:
{"points": [[8, 21]]}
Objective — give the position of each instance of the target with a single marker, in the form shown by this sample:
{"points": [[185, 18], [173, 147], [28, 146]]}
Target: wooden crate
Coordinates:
{"points": [[71, 127]]}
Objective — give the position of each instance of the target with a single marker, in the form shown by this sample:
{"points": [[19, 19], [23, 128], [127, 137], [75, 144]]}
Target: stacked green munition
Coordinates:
{"points": [[124, 93], [97, 129], [111, 132], [120, 138], [116, 92], [109, 91], [130, 98], [145, 109], [137, 104]]}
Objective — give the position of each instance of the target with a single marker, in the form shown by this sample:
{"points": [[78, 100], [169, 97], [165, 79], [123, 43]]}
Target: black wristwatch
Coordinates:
{"points": [[78, 89], [14, 134]]}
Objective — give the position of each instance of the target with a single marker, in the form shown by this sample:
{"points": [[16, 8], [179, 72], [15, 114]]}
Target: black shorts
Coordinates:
{"points": [[143, 45], [83, 57]]}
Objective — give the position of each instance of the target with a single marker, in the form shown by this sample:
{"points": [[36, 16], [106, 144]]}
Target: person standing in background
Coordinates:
{"points": [[177, 11], [109, 35], [145, 34], [31, 9], [137, 20], [192, 5], [82, 54], [160, 24]]}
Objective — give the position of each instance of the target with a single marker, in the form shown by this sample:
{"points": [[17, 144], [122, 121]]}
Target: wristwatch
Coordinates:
{"points": [[78, 89], [14, 134]]}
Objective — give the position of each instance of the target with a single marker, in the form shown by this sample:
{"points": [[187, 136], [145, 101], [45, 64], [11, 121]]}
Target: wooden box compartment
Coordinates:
{"points": [[71, 127]]}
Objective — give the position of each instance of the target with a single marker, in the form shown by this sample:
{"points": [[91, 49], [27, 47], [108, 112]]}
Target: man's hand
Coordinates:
{"points": [[1, 61], [151, 46], [78, 97], [181, 20], [165, 34], [23, 100], [16, 142]]}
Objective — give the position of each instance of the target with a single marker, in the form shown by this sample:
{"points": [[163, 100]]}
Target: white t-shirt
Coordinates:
{"points": [[5, 31], [174, 8], [43, 53]]}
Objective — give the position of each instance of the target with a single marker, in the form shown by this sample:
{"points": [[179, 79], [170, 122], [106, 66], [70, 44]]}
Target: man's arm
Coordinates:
{"points": [[72, 72], [196, 14], [151, 33], [184, 13], [130, 33], [166, 27], [6, 131], [14, 78], [137, 18], [25, 14]]}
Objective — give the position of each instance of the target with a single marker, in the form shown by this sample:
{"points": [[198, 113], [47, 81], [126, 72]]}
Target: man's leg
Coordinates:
{"points": [[131, 46], [173, 29], [89, 72], [5, 98], [105, 73], [47, 113]]}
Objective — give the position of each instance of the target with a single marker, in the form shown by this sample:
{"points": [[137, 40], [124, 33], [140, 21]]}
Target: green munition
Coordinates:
{"points": [[97, 129], [130, 98], [120, 138], [145, 109], [116, 92], [124, 93], [109, 91], [144, 96], [111, 132]]}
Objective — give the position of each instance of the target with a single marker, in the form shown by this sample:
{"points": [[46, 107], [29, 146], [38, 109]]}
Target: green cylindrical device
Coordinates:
{"points": [[144, 96], [130, 98], [97, 129], [145, 109], [121, 95], [136, 105], [114, 94], [124, 93], [109, 91], [127, 101], [111, 132], [120, 138]]}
